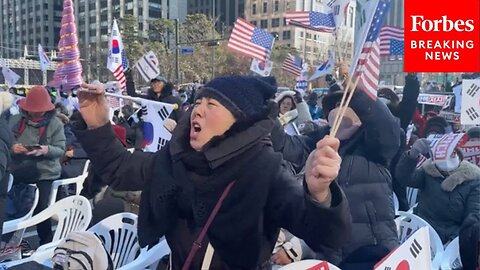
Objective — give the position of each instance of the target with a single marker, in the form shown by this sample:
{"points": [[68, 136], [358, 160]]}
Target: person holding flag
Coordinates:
{"points": [[160, 90], [449, 187], [216, 191], [369, 139]]}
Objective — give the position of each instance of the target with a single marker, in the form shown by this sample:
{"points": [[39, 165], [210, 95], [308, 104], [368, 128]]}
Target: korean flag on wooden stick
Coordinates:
{"points": [[470, 102], [154, 115], [412, 254]]}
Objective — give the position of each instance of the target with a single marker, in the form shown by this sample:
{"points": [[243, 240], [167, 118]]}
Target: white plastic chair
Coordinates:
{"points": [[118, 233], [11, 250], [74, 213], [408, 223], [412, 196], [78, 181], [85, 167], [305, 264], [451, 256]]}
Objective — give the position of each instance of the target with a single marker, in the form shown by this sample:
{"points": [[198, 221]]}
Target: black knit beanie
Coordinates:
{"points": [[245, 97], [474, 132]]}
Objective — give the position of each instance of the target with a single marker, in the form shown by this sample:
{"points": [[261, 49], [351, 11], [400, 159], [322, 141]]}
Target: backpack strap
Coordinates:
{"points": [[21, 126], [197, 244], [42, 130]]}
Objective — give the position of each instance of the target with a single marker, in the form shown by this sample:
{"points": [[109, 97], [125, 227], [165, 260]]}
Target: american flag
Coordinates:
{"points": [[391, 41], [317, 21], [293, 65], [368, 67], [250, 40]]}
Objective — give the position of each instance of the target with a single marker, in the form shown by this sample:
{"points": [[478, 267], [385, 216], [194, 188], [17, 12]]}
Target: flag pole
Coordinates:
{"points": [[134, 99]]}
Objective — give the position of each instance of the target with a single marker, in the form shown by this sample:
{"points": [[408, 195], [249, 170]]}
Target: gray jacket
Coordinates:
{"points": [[444, 202], [49, 165]]}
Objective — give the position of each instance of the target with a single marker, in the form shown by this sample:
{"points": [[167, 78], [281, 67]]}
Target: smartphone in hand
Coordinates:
{"points": [[30, 148]]}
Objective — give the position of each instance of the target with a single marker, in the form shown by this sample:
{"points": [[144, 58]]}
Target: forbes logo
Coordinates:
{"points": [[441, 25]]}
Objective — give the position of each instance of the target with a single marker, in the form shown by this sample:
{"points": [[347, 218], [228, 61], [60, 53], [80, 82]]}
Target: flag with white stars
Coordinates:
{"points": [[367, 60], [124, 61], [316, 21], [470, 102], [391, 41], [250, 40]]}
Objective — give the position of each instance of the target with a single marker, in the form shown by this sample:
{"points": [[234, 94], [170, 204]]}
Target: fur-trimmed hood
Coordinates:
{"points": [[465, 172]]}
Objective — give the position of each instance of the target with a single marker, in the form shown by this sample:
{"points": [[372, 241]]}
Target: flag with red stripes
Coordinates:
{"points": [[250, 41], [367, 68], [293, 65], [117, 61]]}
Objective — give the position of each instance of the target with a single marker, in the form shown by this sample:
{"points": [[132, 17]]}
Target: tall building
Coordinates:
{"points": [[314, 46], [95, 19], [226, 11], [28, 23]]}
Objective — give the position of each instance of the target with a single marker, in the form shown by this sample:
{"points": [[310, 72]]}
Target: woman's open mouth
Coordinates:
{"points": [[195, 129]]}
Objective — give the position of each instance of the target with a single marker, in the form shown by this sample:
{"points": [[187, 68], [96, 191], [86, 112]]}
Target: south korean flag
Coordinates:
{"points": [[470, 102], [414, 253]]}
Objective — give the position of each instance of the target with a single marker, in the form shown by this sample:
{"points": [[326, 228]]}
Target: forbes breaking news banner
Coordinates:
{"points": [[442, 36]]}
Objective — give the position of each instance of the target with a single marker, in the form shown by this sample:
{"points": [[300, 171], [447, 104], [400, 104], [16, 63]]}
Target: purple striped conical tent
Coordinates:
{"points": [[69, 70]]}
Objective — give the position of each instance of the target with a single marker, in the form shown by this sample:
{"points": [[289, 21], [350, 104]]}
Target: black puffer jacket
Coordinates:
{"points": [[446, 203], [166, 96], [364, 174], [181, 186], [404, 111]]}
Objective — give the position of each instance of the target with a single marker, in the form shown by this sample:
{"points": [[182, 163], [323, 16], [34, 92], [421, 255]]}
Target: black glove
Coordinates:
{"points": [[420, 147], [298, 97], [411, 81], [273, 110]]}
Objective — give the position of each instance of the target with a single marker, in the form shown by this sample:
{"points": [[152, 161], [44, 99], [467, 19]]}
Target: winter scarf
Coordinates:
{"points": [[199, 178], [288, 117]]}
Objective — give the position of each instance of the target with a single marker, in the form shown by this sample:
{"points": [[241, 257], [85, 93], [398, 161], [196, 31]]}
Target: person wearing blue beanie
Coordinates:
{"points": [[243, 96], [218, 193]]}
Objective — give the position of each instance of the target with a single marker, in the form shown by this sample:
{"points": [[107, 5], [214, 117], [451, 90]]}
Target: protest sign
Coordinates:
{"points": [[414, 253]]}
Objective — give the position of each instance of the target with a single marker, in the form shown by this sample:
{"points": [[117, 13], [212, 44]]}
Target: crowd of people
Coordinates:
{"points": [[251, 170]]}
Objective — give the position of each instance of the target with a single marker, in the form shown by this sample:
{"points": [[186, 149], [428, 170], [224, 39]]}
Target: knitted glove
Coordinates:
{"points": [[420, 147]]}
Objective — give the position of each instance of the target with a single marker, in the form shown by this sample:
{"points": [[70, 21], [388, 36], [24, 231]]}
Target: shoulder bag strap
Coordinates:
{"points": [[197, 244]]}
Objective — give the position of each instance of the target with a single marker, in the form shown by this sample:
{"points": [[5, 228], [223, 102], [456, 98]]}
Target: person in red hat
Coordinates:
{"points": [[39, 144]]}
